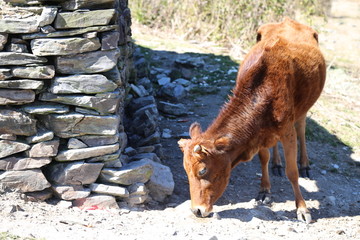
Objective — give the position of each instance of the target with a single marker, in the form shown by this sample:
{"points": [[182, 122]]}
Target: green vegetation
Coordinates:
{"points": [[224, 21], [9, 236]]}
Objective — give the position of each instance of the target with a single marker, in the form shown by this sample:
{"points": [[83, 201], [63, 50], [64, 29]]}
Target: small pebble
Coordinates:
{"points": [[216, 216]]}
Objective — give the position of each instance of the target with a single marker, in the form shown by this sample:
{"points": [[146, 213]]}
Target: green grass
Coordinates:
{"points": [[9, 236]]}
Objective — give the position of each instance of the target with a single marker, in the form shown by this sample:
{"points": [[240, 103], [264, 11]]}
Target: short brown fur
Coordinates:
{"points": [[279, 80]]}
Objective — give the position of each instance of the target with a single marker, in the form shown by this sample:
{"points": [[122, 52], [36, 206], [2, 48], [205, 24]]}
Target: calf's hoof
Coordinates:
{"points": [[263, 197], [303, 215], [304, 172], [277, 170]]}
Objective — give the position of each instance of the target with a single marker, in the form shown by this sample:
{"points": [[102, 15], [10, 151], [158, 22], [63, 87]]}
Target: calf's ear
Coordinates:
{"points": [[195, 130], [182, 143], [223, 143]]}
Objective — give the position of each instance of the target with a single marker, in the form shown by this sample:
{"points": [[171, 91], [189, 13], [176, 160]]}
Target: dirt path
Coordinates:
{"points": [[333, 194]]}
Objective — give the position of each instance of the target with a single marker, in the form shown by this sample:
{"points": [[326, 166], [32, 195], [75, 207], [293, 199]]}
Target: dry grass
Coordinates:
{"points": [[230, 23]]}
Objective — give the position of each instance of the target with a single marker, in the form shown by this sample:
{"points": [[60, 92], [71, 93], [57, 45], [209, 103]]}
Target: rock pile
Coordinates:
{"points": [[63, 74]]}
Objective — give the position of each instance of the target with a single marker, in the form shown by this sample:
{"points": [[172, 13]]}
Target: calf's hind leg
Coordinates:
{"points": [[290, 149], [304, 160], [276, 162], [264, 193]]}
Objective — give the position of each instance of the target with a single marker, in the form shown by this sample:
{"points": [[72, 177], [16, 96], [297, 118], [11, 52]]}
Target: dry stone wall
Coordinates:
{"points": [[64, 66]]}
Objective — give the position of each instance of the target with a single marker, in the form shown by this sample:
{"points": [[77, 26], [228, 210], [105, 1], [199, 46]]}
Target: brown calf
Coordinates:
{"points": [[279, 80]]}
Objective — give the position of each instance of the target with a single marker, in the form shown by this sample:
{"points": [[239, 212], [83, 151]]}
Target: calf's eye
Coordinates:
{"points": [[202, 172]]}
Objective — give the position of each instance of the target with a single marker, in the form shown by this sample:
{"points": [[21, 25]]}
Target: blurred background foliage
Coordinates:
{"points": [[226, 22]]}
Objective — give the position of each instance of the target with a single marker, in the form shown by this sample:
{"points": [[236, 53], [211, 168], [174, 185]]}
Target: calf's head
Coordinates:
{"points": [[208, 168]]}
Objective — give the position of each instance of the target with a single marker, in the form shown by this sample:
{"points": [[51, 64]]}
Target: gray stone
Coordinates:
{"points": [[41, 136], [8, 137], [25, 181], [147, 84], [17, 47], [164, 80], [5, 73], [75, 143], [136, 199], [113, 164], [16, 25], [150, 140], [45, 108], [182, 82], [68, 33], [64, 204], [161, 183], [44, 149], [138, 103], [177, 109], [142, 67], [16, 96], [95, 140], [166, 133], [130, 151], [70, 192], [123, 141], [22, 84], [110, 40], [93, 202], [88, 84], [16, 163], [38, 196], [93, 62], [139, 193], [18, 123], [34, 72], [115, 76], [106, 189], [141, 112], [138, 189], [173, 91], [90, 35], [190, 62], [104, 103], [13, 58], [78, 4], [11, 147], [3, 40], [106, 158], [140, 91], [83, 19], [83, 153], [73, 173], [63, 46], [73, 125], [146, 149], [47, 29], [47, 16], [138, 171]]}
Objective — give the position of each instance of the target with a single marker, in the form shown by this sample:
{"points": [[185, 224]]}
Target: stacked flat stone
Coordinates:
{"points": [[63, 73]]}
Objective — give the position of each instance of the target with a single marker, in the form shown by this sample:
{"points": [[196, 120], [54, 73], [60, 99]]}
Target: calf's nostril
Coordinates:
{"points": [[198, 213]]}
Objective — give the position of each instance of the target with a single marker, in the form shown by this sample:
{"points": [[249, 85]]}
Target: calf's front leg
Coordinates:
{"points": [[264, 193]]}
